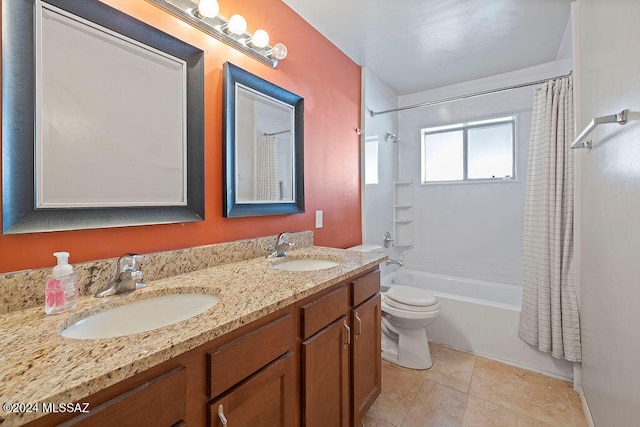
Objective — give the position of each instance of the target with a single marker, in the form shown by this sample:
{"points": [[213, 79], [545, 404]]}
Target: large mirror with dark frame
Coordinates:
{"points": [[102, 120], [263, 146]]}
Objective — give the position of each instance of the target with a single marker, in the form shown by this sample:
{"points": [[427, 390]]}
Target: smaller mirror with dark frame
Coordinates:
{"points": [[263, 153]]}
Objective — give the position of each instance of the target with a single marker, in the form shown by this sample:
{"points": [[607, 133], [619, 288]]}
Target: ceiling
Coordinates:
{"points": [[416, 45]]}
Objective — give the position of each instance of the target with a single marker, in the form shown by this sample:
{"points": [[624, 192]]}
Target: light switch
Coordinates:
{"points": [[318, 219]]}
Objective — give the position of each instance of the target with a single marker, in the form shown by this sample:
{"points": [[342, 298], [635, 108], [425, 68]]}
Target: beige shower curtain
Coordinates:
{"points": [[268, 171], [549, 317]]}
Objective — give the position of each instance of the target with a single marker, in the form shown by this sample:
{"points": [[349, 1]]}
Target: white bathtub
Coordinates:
{"points": [[480, 317]]}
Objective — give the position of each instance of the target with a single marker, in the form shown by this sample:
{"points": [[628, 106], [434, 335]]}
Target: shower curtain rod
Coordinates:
{"points": [[470, 95], [277, 133]]}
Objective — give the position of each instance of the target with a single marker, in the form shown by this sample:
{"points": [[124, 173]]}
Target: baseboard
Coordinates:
{"points": [[587, 412]]}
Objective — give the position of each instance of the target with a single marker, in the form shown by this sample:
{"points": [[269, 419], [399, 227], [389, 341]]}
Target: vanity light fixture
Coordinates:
{"points": [[260, 38], [237, 25], [204, 15], [207, 9]]}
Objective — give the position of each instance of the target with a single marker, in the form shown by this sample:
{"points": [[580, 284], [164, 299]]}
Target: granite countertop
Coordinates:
{"points": [[38, 365]]}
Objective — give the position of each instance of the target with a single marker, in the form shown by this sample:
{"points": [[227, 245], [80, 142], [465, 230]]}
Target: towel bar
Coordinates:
{"points": [[620, 118]]}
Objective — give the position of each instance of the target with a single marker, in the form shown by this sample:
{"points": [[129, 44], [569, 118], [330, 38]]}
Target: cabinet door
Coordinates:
{"points": [[367, 358], [325, 376], [266, 399]]}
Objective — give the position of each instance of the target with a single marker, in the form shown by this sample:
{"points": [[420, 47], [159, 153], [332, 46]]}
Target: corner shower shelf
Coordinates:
{"points": [[403, 214]]}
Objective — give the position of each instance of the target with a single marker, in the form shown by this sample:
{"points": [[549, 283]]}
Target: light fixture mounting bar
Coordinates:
{"points": [[215, 27]]}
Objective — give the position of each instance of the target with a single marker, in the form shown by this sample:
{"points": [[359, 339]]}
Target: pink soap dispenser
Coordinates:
{"points": [[61, 288]]}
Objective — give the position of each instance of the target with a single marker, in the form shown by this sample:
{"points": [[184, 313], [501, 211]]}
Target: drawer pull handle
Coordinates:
{"points": [[358, 325], [348, 341], [223, 419]]}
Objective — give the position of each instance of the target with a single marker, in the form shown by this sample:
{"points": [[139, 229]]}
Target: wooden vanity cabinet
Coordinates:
{"points": [[266, 399], [249, 362], [324, 360], [313, 363], [366, 355], [159, 401], [340, 353], [252, 378], [158, 396]]}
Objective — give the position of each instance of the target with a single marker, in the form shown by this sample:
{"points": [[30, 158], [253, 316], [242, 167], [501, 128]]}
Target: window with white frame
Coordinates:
{"points": [[371, 160], [467, 152]]}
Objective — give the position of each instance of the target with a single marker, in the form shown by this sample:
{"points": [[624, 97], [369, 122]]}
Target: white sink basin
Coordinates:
{"points": [[306, 264], [140, 316]]}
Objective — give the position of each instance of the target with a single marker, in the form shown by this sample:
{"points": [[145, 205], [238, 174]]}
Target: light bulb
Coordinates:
{"points": [[208, 8], [260, 38], [279, 51], [237, 24]]}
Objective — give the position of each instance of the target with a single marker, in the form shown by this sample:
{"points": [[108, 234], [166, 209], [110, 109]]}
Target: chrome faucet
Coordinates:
{"points": [[129, 278], [280, 247], [395, 261]]}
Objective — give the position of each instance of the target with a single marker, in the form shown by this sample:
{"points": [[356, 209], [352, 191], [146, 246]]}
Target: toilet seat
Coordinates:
{"points": [[411, 299]]}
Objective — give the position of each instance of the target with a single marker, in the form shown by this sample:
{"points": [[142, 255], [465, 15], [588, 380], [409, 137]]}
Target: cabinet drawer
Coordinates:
{"points": [[266, 399], [235, 361], [365, 287], [319, 313], [161, 401]]}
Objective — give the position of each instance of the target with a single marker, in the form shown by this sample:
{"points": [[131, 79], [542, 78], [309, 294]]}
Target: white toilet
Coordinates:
{"points": [[406, 311]]}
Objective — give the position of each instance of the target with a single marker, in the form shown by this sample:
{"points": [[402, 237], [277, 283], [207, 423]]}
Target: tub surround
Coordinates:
{"points": [[39, 365]]}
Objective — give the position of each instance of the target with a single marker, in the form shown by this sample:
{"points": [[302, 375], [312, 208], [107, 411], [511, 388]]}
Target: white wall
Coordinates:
{"points": [[472, 229], [608, 80], [377, 198]]}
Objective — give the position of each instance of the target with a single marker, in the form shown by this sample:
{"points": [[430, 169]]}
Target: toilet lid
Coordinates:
{"points": [[367, 247], [415, 298]]}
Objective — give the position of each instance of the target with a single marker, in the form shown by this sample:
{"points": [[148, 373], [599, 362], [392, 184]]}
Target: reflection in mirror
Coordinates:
{"points": [[263, 129], [263, 149]]}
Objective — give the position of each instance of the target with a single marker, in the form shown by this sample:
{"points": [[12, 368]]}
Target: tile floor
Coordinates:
{"points": [[462, 389]]}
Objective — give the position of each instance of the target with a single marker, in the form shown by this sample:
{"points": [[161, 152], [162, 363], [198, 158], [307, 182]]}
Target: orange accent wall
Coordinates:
{"points": [[314, 69]]}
